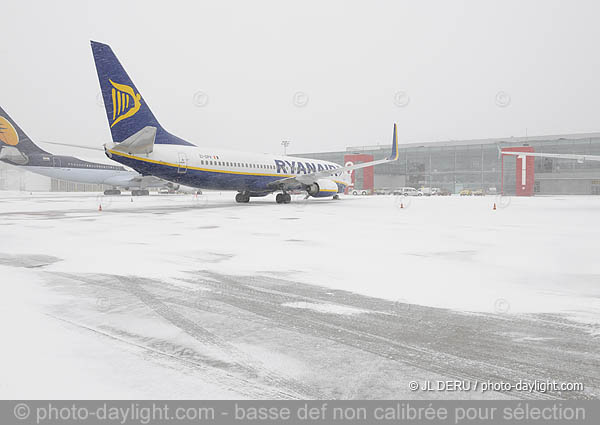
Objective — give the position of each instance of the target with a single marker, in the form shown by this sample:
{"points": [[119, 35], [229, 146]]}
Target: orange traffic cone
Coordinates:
{"points": [[100, 207], [494, 206], [401, 205]]}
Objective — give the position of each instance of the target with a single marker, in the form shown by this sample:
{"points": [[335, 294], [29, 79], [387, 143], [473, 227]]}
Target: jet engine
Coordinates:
{"points": [[322, 188]]}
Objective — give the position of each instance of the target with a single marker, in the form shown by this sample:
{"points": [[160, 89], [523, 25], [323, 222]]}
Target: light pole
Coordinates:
{"points": [[285, 144]]}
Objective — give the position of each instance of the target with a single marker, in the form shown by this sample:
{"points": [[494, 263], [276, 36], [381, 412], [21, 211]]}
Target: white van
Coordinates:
{"points": [[408, 191]]}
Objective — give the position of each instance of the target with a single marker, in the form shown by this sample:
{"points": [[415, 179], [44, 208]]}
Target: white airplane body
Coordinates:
{"points": [[108, 177]]}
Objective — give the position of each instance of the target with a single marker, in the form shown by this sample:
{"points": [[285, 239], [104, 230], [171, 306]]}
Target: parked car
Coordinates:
{"points": [[359, 191], [442, 192], [383, 191], [408, 191], [426, 191], [478, 192], [465, 192]]}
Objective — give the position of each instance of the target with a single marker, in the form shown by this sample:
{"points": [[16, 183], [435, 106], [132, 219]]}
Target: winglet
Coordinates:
{"points": [[395, 152]]}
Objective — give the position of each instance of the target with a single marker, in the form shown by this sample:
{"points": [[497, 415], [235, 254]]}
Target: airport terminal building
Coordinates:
{"points": [[477, 164]]}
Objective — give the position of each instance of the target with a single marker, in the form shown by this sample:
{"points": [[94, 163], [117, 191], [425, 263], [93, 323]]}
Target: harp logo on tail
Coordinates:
{"points": [[8, 134], [125, 102]]}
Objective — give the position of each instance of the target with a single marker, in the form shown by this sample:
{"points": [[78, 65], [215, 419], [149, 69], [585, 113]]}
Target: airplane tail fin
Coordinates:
{"points": [[126, 110], [11, 135], [395, 152]]}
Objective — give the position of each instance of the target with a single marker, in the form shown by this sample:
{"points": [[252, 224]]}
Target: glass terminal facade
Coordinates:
{"points": [[477, 165]]}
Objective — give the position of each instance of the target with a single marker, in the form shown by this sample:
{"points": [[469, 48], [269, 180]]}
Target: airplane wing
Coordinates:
{"points": [[151, 181], [307, 179], [148, 181], [133, 179], [580, 158]]}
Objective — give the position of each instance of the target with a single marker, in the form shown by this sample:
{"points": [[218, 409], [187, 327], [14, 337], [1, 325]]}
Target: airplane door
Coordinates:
{"points": [[55, 161], [182, 164]]}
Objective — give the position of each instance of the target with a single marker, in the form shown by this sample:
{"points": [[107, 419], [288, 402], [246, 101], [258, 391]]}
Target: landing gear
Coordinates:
{"points": [[336, 197], [112, 192], [242, 198], [283, 198], [140, 192]]}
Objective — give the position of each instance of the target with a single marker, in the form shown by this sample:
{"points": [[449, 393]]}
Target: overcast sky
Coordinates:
{"points": [[322, 74]]}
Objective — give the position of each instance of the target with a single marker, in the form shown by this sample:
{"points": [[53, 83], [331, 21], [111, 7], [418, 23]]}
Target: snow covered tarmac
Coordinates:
{"points": [[185, 297]]}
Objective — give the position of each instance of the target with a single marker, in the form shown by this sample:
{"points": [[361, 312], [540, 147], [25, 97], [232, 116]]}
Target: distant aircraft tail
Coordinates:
{"points": [[126, 110], [11, 135]]}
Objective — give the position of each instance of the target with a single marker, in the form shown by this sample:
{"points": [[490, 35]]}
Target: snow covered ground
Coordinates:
{"points": [[89, 299]]}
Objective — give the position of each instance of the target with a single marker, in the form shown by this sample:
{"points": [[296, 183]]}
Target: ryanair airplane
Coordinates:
{"points": [[141, 143], [17, 149]]}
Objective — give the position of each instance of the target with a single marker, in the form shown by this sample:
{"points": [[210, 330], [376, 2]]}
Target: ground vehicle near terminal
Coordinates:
{"points": [[383, 191], [478, 192], [465, 192], [408, 191], [356, 192], [430, 191]]}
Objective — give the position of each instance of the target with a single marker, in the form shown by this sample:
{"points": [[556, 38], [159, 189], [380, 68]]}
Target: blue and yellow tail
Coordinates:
{"points": [[126, 110], [395, 151]]}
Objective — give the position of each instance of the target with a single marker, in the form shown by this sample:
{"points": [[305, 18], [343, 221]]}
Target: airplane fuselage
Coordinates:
{"points": [[70, 168], [223, 170]]}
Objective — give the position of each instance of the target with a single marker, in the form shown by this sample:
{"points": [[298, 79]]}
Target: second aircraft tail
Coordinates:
{"points": [[11, 135]]}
